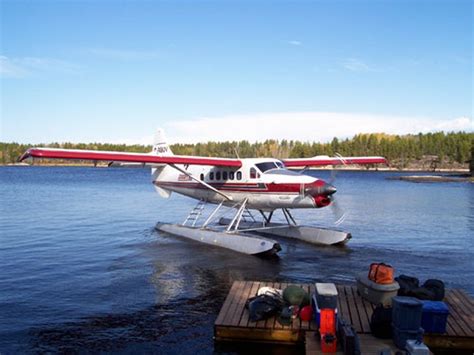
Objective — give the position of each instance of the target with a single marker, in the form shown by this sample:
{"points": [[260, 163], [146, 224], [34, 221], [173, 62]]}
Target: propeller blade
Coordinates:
{"points": [[338, 212], [333, 169], [332, 179]]}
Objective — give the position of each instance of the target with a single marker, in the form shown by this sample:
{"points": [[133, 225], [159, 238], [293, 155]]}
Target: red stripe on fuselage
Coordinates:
{"points": [[241, 187]]}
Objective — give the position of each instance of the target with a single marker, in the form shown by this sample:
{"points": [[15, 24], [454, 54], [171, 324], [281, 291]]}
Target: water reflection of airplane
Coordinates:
{"points": [[259, 184]]}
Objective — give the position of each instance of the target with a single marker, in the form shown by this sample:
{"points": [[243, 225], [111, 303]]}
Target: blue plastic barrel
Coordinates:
{"points": [[406, 313]]}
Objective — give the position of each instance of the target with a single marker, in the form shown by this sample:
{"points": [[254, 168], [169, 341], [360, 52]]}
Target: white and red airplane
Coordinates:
{"points": [[262, 184]]}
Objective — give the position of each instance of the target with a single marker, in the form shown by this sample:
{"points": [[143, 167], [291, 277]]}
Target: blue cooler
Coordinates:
{"points": [[434, 317], [325, 296], [406, 313]]}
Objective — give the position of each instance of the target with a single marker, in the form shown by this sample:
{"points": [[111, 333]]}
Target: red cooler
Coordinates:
{"points": [[324, 297]]}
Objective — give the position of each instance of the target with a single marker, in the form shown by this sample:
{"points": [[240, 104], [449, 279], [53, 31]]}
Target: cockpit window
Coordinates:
{"points": [[269, 165], [280, 164]]}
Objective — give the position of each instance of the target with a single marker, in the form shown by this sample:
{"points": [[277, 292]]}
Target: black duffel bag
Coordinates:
{"points": [[263, 307], [436, 287], [381, 322], [407, 284]]}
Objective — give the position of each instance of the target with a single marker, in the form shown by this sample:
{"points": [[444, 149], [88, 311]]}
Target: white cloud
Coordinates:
{"points": [[457, 124], [26, 66], [304, 126], [10, 69], [356, 65], [295, 43]]}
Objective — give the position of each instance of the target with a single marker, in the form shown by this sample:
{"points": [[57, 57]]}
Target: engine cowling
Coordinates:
{"points": [[322, 201]]}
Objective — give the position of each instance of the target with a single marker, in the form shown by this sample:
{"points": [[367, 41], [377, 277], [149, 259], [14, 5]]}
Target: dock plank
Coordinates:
{"points": [[466, 299], [364, 319], [234, 304], [240, 304], [225, 307], [369, 308], [456, 316], [462, 306], [353, 309], [342, 306]]}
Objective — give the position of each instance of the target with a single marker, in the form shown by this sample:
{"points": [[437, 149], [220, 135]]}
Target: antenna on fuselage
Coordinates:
{"points": [[236, 153]]}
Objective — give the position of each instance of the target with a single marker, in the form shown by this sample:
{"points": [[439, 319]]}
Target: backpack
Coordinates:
{"points": [[407, 284], [436, 287], [381, 322], [422, 293], [432, 290], [263, 307], [381, 273]]}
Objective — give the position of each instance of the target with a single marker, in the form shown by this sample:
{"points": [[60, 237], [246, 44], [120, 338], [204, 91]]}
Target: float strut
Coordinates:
{"points": [[288, 216], [212, 215], [237, 217]]}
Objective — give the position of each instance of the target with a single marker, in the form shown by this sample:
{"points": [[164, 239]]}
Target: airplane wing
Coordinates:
{"points": [[141, 158], [322, 160]]}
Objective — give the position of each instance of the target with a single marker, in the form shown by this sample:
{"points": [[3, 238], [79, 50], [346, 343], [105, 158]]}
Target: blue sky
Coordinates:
{"points": [[114, 71]]}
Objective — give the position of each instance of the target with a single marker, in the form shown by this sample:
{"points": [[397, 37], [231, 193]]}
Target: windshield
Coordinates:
{"points": [[266, 166], [282, 172], [270, 165]]}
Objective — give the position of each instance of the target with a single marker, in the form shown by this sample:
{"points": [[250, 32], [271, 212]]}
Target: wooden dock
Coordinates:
{"points": [[233, 324]]}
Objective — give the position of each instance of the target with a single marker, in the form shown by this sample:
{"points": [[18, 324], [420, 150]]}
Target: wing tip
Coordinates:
{"points": [[25, 155]]}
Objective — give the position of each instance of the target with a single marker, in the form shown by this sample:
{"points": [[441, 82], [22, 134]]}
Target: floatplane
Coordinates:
{"points": [[261, 185]]}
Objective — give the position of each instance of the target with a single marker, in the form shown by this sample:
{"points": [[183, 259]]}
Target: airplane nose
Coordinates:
{"points": [[328, 189], [322, 189]]}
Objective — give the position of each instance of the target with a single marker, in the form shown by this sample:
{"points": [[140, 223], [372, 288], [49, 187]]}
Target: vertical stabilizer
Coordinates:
{"points": [[160, 146]]}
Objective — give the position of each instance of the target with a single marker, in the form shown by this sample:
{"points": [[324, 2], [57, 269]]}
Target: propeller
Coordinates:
{"points": [[324, 194], [338, 212]]}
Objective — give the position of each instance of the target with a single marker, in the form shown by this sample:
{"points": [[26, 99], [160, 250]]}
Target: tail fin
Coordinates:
{"points": [[160, 147]]}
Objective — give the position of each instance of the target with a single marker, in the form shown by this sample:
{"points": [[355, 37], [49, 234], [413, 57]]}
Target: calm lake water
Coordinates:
{"points": [[83, 269]]}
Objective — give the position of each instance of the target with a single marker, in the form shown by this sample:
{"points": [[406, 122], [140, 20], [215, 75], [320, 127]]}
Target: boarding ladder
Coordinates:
{"points": [[194, 215]]}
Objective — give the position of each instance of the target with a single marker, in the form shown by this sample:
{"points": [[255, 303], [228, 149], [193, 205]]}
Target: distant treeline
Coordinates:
{"points": [[450, 147]]}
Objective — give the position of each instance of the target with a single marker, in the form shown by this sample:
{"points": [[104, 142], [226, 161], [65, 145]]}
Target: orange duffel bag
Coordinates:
{"points": [[381, 273]]}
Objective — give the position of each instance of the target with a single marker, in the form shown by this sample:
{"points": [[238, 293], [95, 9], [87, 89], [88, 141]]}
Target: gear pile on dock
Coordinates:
{"points": [[343, 319]]}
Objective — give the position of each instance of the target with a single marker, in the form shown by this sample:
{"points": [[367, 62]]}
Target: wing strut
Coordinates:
{"points": [[202, 182]]}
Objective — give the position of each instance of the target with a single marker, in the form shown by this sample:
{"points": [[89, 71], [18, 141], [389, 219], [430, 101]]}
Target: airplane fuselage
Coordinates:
{"points": [[265, 183]]}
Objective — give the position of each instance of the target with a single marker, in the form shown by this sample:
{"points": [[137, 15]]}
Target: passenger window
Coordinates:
{"points": [[231, 175], [239, 175], [253, 173], [202, 177], [211, 176], [218, 175], [224, 175]]}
